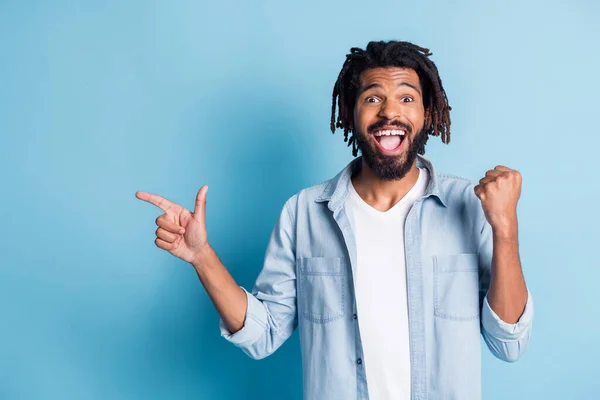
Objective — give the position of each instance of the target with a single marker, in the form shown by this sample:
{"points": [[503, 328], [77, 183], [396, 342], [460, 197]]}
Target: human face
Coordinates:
{"points": [[389, 117]]}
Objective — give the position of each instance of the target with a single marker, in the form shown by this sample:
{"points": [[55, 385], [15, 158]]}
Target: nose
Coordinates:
{"points": [[389, 110]]}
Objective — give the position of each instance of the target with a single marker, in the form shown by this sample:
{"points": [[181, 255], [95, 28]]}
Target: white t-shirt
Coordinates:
{"points": [[380, 285]]}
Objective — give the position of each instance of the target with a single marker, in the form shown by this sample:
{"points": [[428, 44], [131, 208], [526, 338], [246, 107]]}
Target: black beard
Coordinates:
{"points": [[390, 168]]}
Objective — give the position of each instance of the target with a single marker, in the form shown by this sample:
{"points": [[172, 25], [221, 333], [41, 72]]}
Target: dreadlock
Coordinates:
{"points": [[390, 54]]}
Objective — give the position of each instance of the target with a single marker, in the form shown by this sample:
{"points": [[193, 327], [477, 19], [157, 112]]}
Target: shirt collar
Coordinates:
{"points": [[336, 190]]}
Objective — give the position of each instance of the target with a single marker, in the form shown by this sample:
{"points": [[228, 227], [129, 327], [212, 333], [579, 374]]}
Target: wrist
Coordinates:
{"points": [[202, 256], [508, 232], [505, 228]]}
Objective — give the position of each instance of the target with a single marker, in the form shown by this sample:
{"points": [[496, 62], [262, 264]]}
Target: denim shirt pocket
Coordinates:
{"points": [[456, 286], [321, 288]]}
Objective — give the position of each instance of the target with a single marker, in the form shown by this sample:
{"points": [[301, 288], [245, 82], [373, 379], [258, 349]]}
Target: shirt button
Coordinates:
{"points": [[359, 361], [354, 316]]}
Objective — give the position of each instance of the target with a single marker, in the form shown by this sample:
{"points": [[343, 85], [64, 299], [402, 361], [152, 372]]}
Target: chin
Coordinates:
{"points": [[391, 167]]}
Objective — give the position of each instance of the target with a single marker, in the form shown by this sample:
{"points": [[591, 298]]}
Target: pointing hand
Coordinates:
{"points": [[180, 232]]}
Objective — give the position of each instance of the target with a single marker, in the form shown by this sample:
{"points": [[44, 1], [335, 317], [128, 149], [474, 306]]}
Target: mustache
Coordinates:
{"points": [[385, 122]]}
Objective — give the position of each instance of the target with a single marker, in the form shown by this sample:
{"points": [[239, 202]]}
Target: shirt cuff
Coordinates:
{"points": [[504, 331], [253, 327]]}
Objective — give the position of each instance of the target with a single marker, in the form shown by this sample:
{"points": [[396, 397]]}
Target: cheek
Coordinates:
{"points": [[417, 117], [363, 117]]}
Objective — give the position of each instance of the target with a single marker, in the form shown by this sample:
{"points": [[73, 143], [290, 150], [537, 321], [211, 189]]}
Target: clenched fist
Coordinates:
{"points": [[499, 192], [180, 232]]}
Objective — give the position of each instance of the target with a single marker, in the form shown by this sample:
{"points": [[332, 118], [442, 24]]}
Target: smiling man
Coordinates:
{"points": [[390, 270]]}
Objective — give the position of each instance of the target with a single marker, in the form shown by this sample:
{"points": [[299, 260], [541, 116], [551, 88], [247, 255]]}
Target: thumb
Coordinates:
{"points": [[200, 207], [477, 191]]}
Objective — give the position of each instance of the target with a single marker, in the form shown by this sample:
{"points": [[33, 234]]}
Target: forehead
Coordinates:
{"points": [[388, 76]]}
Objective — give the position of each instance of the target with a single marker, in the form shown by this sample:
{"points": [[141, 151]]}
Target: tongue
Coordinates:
{"points": [[389, 142]]}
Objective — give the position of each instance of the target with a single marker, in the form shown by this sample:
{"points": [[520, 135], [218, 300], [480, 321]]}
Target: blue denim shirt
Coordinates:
{"points": [[307, 282]]}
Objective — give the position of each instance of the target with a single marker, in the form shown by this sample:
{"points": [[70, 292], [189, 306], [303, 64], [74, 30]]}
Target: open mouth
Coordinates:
{"points": [[390, 140]]}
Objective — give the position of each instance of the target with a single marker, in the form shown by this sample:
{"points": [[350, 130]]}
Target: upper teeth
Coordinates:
{"points": [[389, 132]]}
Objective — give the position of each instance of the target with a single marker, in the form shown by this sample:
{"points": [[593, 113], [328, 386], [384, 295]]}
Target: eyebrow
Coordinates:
{"points": [[376, 85]]}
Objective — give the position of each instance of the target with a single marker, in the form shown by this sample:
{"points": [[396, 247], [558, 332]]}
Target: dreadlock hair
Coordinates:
{"points": [[390, 54]]}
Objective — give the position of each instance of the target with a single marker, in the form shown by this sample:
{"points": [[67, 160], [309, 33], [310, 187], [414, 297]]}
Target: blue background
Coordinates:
{"points": [[100, 99]]}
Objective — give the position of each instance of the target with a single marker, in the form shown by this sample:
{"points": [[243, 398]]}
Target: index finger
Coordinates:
{"points": [[158, 201]]}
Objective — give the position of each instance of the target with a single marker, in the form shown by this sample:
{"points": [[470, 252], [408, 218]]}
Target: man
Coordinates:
{"points": [[390, 270]]}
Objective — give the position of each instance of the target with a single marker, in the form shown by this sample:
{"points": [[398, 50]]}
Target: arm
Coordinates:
{"points": [[260, 322], [507, 306], [507, 294], [228, 298], [506, 339]]}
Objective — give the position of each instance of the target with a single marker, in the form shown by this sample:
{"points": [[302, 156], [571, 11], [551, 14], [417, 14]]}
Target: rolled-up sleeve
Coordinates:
{"points": [[254, 324], [271, 312], [507, 341]]}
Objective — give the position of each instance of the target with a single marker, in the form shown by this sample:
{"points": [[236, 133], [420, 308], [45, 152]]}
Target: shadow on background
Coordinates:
{"points": [[261, 164]]}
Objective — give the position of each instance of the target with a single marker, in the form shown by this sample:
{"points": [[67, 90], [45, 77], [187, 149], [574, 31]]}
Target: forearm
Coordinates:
{"points": [[507, 294], [228, 298]]}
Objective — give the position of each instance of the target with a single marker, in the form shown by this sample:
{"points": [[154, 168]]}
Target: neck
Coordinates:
{"points": [[383, 194]]}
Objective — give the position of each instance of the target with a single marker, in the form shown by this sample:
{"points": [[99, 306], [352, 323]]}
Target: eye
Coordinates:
{"points": [[406, 99], [371, 99]]}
